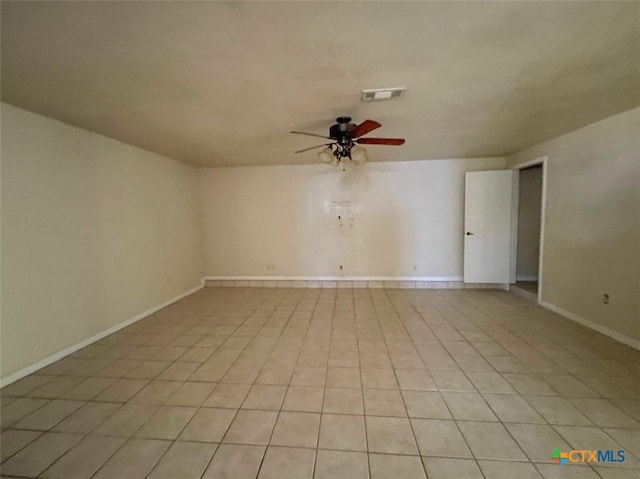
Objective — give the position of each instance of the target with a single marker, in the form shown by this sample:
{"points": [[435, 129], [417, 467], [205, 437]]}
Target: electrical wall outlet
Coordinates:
{"points": [[605, 298]]}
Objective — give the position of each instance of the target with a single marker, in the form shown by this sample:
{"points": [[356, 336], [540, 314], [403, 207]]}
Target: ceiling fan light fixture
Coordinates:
{"points": [[328, 157], [358, 155]]}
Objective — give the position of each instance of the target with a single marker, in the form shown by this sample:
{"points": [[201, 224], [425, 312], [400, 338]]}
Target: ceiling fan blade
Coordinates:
{"points": [[312, 134], [313, 148], [380, 141], [364, 128]]}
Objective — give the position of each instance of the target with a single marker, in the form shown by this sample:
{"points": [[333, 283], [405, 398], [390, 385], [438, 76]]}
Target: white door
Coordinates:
{"points": [[490, 216]]}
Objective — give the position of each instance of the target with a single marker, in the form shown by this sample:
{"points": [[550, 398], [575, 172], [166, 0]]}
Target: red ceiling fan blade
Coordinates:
{"points": [[364, 128], [380, 141]]}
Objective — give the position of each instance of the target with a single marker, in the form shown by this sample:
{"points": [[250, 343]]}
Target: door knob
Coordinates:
{"points": [[468, 233]]}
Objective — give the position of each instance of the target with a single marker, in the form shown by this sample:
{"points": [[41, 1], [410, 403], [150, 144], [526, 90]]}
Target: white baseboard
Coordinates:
{"points": [[371, 282], [526, 278], [72, 349], [634, 343], [333, 278]]}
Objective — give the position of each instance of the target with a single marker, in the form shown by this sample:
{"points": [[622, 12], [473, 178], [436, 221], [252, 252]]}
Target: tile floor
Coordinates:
{"points": [[324, 383]]}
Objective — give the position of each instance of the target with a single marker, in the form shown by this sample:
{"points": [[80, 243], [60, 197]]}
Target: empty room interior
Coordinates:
{"points": [[320, 240]]}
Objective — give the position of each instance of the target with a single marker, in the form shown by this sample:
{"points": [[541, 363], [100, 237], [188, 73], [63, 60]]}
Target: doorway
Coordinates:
{"points": [[530, 226]]}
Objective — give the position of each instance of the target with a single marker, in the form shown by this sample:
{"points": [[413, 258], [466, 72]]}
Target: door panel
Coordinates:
{"points": [[489, 226]]}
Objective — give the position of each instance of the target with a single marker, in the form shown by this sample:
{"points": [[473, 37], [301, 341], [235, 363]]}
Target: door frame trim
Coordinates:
{"points": [[541, 160]]}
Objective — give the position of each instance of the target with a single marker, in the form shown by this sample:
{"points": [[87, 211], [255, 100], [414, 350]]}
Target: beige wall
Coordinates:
{"points": [[592, 228], [94, 233], [529, 206], [402, 214]]}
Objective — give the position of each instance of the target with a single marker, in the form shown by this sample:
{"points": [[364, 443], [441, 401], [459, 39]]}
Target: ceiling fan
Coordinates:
{"points": [[346, 137]]}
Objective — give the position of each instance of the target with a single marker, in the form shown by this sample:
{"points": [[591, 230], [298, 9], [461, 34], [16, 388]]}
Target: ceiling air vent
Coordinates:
{"points": [[382, 93]]}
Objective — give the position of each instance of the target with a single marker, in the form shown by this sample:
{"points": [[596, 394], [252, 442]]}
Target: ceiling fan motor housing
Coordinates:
{"points": [[341, 129]]}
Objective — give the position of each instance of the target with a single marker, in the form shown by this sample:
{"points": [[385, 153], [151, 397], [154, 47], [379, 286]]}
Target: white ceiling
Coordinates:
{"points": [[213, 83]]}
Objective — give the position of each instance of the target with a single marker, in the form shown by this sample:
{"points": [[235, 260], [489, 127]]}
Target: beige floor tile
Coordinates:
{"points": [[341, 465], [228, 396], [134, 460], [298, 429], [251, 427], [552, 471], [122, 390], [507, 364], [126, 420], [49, 415], [265, 397], [426, 404], [435, 352], [147, 370], [508, 470], [211, 372], [88, 389], [439, 438], [309, 376], [25, 385], [611, 473], [529, 384], [628, 438], [383, 402], [379, 379], [119, 368], [535, 440], [474, 362], [384, 466], [184, 460], [85, 458], [343, 378], [452, 381], [415, 380], [343, 401], [341, 431], [513, 408], [569, 386], [344, 359], [233, 461], [489, 440], [468, 406], [56, 387], [87, 418], [157, 392], [11, 441], [630, 406], [557, 410], [170, 353], [40, 454], [445, 468], [166, 423], [490, 382], [178, 371], [241, 374], [373, 360], [208, 425], [304, 399], [390, 435], [18, 409], [190, 394], [197, 355], [289, 462], [276, 374], [580, 437], [604, 414]]}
